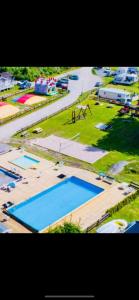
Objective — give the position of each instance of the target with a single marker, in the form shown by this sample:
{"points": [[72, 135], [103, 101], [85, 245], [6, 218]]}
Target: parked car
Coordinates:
{"points": [[64, 80], [25, 84], [98, 83], [74, 77], [113, 73], [58, 83], [107, 70]]}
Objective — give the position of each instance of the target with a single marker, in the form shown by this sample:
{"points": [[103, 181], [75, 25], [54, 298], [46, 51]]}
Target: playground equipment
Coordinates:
{"points": [[80, 112], [135, 111], [124, 110], [45, 86]]}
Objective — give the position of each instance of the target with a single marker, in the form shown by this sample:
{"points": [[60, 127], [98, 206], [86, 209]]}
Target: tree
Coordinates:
{"points": [[67, 227]]}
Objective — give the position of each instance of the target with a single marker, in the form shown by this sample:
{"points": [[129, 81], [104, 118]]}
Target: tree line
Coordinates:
{"points": [[31, 73]]}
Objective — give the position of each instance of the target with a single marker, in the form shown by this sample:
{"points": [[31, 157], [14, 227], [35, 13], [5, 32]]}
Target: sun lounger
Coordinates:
{"points": [[108, 179], [123, 186], [7, 204], [128, 191]]}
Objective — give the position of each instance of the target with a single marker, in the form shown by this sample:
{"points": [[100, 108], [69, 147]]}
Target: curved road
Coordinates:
{"points": [[85, 83]]}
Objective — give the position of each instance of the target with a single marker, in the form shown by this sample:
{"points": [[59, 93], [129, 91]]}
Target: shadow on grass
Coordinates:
{"points": [[123, 137]]}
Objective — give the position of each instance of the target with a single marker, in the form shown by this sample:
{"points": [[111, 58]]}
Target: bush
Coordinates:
{"points": [[126, 201], [66, 228]]}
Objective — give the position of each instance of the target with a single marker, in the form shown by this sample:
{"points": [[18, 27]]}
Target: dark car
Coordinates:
{"points": [[64, 80], [25, 84], [98, 83], [58, 83], [74, 77]]}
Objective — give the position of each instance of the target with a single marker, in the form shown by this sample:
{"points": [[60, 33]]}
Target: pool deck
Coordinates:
{"points": [[48, 172]]}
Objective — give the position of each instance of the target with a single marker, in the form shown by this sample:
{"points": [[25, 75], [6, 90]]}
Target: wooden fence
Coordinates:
{"points": [[98, 222]]}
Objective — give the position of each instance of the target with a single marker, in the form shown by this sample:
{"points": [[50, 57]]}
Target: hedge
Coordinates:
{"points": [[126, 201]]}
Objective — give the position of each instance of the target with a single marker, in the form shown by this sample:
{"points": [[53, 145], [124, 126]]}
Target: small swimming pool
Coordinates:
{"points": [[7, 177], [25, 161], [51, 205]]}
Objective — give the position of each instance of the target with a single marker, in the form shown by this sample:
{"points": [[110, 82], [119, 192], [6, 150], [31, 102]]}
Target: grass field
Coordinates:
{"points": [[134, 88], [129, 212], [122, 141]]}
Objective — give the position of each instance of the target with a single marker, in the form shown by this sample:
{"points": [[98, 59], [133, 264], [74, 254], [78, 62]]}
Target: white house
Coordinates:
{"points": [[115, 94], [6, 81]]}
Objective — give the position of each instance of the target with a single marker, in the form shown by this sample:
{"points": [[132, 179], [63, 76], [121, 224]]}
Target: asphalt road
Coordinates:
{"points": [[86, 82]]}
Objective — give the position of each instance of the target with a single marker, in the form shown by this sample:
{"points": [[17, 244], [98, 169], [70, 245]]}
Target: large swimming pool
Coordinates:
{"points": [[51, 205], [25, 161]]}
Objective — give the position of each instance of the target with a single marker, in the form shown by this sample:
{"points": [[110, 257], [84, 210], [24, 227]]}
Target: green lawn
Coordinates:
{"points": [[122, 141], [129, 212], [134, 88], [12, 90]]}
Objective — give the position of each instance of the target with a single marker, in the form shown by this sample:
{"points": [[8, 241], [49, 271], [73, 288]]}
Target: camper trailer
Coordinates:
{"points": [[122, 70], [126, 79], [119, 96]]}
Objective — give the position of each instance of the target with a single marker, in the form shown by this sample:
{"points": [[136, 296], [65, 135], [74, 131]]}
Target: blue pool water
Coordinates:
{"points": [[6, 177], [47, 207], [25, 162]]}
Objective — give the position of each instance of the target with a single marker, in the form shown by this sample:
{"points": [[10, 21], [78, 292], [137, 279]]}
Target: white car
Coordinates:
{"points": [[107, 69]]}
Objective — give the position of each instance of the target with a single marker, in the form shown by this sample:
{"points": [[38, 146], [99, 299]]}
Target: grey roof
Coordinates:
{"points": [[115, 91], [6, 74], [4, 148], [3, 228]]}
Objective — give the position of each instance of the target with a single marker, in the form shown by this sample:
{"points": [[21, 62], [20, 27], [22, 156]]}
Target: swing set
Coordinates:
{"points": [[80, 113]]}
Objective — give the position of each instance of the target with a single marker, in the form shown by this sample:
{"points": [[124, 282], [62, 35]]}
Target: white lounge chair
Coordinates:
{"points": [[128, 191], [123, 186]]}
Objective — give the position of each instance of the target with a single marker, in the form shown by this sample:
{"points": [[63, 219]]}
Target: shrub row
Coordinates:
{"points": [[121, 204]]}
